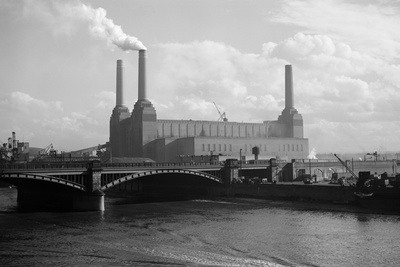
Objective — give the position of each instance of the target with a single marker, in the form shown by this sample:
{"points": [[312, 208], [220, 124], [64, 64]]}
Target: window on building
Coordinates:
{"points": [[265, 147], [297, 147], [209, 147], [204, 147], [225, 147], [283, 146], [288, 147], [245, 147], [230, 147], [292, 147], [219, 146], [301, 147], [214, 147]]}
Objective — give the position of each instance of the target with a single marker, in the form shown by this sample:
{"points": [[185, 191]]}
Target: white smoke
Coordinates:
{"points": [[103, 27], [64, 17], [313, 154]]}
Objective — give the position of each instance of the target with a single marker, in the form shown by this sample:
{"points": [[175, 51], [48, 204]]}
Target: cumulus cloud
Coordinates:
{"points": [[106, 100], [335, 80], [370, 28], [207, 72], [23, 102], [42, 122], [345, 59], [337, 87], [321, 52]]}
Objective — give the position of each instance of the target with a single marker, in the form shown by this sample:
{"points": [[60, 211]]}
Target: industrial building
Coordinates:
{"points": [[140, 134], [14, 150]]}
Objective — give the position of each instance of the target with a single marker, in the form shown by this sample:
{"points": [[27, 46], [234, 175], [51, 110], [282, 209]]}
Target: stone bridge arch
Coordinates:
{"points": [[26, 178], [142, 174]]}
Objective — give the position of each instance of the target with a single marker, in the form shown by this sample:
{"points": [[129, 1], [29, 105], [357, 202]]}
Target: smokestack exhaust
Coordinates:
{"points": [[142, 75], [120, 84], [288, 87]]}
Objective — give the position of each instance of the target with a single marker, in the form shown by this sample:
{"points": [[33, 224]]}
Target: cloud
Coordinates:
{"points": [[336, 81], [336, 86], [321, 52], [201, 73], [370, 28], [106, 100], [42, 122], [345, 95], [345, 58], [23, 102]]}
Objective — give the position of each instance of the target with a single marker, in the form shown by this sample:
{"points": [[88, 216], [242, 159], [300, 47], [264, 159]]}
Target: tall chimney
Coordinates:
{"points": [[288, 87], [14, 144], [120, 83], [142, 75]]}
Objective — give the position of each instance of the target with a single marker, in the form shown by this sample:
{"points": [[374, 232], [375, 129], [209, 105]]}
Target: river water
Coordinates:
{"points": [[223, 232]]}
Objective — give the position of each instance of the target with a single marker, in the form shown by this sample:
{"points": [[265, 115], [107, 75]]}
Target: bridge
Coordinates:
{"points": [[82, 186]]}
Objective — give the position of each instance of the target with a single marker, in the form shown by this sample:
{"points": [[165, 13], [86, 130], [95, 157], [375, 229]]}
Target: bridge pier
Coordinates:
{"points": [[56, 196], [230, 171], [44, 199], [89, 202]]}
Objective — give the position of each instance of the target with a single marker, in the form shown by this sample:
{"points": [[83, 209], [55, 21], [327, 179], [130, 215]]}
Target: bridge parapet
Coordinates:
{"points": [[42, 166], [89, 164]]}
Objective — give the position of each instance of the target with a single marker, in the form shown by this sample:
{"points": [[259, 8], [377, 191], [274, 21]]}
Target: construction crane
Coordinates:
{"points": [[222, 116], [47, 151], [347, 168]]}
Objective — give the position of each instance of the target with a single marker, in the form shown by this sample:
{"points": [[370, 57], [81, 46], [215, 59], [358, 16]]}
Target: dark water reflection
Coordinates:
{"points": [[224, 232]]}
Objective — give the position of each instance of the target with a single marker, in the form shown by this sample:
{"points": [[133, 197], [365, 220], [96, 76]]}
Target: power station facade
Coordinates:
{"points": [[140, 134]]}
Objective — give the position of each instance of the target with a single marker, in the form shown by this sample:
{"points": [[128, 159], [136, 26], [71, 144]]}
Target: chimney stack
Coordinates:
{"points": [[142, 75], [14, 140], [120, 83], [288, 87]]}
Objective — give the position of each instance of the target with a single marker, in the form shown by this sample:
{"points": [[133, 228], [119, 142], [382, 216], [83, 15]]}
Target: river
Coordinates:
{"points": [[220, 232]]}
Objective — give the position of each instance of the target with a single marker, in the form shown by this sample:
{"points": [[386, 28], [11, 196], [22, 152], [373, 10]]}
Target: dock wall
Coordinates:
{"points": [[322, 193]]}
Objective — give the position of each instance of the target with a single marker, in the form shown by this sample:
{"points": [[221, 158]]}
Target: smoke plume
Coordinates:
{"points": [[103, 27], [313, 154]]}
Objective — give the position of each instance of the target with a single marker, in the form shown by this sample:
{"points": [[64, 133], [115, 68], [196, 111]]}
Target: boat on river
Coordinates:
{"points": [[379, 198]]}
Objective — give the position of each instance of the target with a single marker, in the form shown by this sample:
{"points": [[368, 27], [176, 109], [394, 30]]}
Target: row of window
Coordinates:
{"points": [[213, 147], [288, 147], [228, 147]]}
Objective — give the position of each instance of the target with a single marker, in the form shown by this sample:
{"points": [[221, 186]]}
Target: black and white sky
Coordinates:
{"points": [[58, 61]]}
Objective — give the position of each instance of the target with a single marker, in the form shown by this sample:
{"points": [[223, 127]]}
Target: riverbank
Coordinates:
{"points": [[333, 196], [322, 192]]}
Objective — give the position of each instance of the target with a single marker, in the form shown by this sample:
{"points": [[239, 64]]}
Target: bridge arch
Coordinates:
{"points": [[154, 172], [19, 178]]}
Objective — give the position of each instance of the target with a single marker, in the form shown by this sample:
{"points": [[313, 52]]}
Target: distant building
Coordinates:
{"points": [[14, 151], [140, 134]]}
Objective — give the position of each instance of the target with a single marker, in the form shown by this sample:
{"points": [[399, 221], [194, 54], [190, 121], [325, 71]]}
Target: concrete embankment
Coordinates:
{"points": [[292, 191]]}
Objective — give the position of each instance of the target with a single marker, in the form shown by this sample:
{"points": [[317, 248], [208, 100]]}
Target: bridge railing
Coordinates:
{"points": [[36, 166], [86, 165], [158, 164]]}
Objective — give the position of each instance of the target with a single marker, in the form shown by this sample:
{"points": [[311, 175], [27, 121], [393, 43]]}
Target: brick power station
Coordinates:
{"points": [[140, 134]]}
